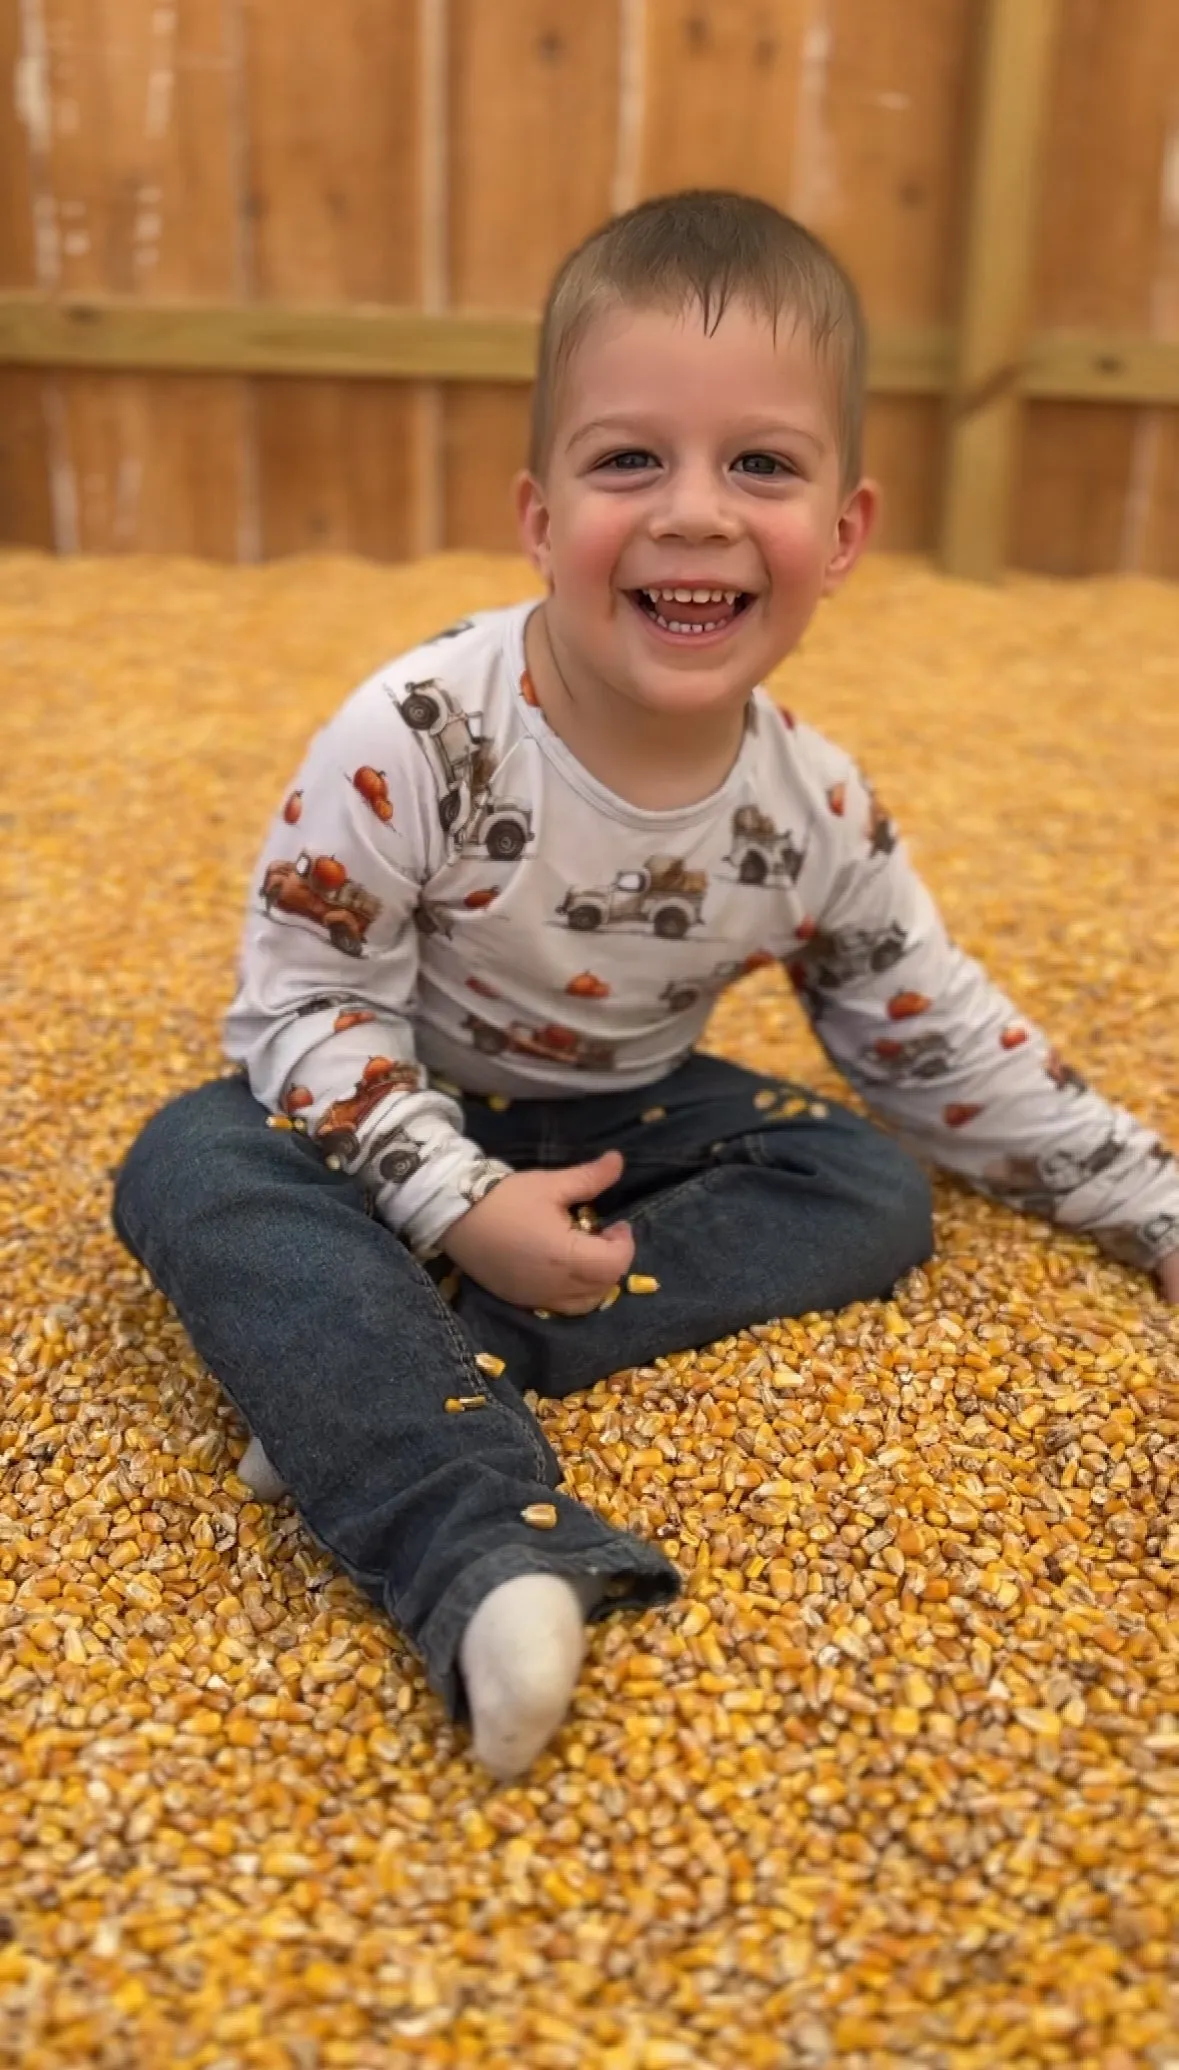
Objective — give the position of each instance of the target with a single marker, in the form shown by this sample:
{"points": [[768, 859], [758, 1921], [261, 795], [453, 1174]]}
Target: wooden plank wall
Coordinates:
{"points": [[447, 152], [129, 109], [1099, 485]]}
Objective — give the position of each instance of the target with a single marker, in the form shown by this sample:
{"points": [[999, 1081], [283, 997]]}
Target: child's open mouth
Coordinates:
{"points": [[691, 612]]}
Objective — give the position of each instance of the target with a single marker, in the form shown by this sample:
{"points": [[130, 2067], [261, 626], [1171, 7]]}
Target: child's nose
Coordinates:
{"points": [[696, 504]]}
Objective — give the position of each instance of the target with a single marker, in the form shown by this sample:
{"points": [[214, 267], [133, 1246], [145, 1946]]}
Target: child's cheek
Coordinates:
{"points": [[795, 552], [595, 544]]}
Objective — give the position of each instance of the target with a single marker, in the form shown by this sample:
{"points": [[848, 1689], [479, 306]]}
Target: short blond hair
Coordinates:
{"points": [[709, 247]]}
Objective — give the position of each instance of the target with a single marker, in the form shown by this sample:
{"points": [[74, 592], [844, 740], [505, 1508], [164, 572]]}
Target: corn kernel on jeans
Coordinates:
{"points": [[340, 1353]]}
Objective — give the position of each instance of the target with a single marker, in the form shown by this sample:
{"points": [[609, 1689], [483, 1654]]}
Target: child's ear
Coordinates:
{"points": [[532, 516], [857, 522]]}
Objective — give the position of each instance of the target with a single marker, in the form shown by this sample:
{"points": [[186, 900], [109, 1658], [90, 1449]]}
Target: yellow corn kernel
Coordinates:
{"points": [[928, 1545]]}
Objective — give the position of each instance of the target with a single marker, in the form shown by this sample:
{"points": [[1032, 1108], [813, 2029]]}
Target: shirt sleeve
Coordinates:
{"points": [[327, 971], [937, 1050]]}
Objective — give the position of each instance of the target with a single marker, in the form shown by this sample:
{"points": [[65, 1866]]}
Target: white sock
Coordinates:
{"points": [[255, 1470], [520, 1657], [520, 1654]]}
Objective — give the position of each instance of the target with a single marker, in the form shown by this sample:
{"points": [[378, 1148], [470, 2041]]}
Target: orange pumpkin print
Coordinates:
{"points": [[903, 1005], [377, 1067], [292, 811], [329, 872], [528, 691], [837, 799], [959, 1113], [352, 1018], [1011, 1038], [587, 986], [476, 900], [296, 1097], [374, 789]]}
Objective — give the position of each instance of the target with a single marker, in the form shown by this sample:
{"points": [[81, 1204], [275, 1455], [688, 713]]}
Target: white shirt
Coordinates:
{"points": [[448, 897]]}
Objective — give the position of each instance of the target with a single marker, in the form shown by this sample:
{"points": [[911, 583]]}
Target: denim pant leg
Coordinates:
{"points": [[336, 1347], [750, 1199]]}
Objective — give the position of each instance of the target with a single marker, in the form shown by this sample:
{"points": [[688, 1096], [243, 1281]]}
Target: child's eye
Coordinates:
{"points": [[630, 462], [764, 466]]}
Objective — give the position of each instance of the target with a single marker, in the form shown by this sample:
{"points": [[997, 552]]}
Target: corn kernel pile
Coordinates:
{"points": [[896, 1781]]}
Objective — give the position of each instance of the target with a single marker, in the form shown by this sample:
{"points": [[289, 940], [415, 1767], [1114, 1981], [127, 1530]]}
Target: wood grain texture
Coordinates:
{"points": [[533, 127], [271, 186], [331, 113], [994, 319], [26, 510], [903, 453], [138, 199], [1097, 488], [367, 340], [722, 93], [880, 175], [26, 506]]}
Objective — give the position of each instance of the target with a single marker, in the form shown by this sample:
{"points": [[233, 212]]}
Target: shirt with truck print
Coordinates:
{"points": [[447, 902]]}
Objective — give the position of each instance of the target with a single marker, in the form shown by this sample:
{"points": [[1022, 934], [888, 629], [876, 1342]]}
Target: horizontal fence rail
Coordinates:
{"points": [[106, 333]]}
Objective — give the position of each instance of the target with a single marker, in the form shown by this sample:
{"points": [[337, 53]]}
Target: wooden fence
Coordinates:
{"points": [[269, 269]]}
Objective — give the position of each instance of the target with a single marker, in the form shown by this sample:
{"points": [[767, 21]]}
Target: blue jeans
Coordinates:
{"points": [[338, 1350]]}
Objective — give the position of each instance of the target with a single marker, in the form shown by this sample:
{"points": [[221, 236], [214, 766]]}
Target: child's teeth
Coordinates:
{"points": [[678, 625], [656, 597]]}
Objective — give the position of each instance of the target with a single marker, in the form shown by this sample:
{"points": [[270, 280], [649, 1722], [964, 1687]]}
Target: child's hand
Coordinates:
{"points": [[521, 1242], [1168, 1272]]}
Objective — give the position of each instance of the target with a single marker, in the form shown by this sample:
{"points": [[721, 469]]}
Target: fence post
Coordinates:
{"points": [[983, 416]]}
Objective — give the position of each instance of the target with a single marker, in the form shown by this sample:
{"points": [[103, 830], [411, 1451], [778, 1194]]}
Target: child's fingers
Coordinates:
{"points": [[598, 1261], [582, 1306], [579, 1182]]}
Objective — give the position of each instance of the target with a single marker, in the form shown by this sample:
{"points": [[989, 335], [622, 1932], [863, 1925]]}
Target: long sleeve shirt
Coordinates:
{"points": [[448, 901]]}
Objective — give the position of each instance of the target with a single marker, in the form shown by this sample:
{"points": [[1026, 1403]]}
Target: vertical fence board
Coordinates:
{"points": [[26, 510], [138, 200], [534, 93], [1115, 90], [880, 175], [26, 514], [331, 111], [722, 94], [985, 418]]}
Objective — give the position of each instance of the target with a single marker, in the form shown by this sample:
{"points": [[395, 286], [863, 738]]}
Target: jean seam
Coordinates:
{"points": [[648, 1211], [460, 1346]]}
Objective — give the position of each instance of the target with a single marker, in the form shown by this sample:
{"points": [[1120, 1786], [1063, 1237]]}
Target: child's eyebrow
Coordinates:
{"points": [[600, 424]]}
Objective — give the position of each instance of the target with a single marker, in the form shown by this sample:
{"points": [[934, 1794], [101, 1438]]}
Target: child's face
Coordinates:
{"points": [[683, 461]]}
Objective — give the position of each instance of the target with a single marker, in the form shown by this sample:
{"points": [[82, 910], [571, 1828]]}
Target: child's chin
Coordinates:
{"points": [[712, 691]]}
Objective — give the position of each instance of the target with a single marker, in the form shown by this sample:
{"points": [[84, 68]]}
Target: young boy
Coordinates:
{"points": [[487, 929]]}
